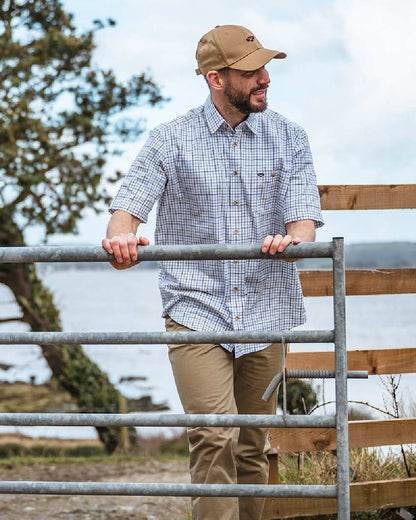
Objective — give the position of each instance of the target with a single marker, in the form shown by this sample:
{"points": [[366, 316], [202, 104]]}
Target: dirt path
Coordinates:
{"points": [[35, 507]]}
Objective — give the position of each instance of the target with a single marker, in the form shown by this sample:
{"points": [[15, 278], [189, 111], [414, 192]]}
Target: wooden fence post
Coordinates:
{"points": [[124, 431]]}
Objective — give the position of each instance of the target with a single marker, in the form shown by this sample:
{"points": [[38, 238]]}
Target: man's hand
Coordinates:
{"points": [[122, 241], [278, 244], [124, 249], [299, 231]]}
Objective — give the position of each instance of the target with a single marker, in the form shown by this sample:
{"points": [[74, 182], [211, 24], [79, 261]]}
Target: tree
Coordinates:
{"points": [[61, 118], [300, 397]]}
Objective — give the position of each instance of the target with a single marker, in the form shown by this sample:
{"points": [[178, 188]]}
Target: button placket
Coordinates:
{"points": [[235, 235]]}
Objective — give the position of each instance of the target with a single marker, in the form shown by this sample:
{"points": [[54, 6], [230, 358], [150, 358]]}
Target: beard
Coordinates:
{"points": [[241, 100]]}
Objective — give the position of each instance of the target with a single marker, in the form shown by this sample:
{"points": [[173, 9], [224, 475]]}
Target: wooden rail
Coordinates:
{"points": [[365, 496], [376, 362], [362, 434], [361, 282], [368, 196]]}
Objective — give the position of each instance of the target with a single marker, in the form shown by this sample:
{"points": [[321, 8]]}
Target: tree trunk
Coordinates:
{"points": [[76, 373]]}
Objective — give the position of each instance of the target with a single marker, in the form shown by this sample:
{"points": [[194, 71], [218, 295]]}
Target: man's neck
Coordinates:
{"points": [[230, 114]]}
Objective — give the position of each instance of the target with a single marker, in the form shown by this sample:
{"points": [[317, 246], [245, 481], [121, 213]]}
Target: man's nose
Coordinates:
{"points": [[263, 78]]}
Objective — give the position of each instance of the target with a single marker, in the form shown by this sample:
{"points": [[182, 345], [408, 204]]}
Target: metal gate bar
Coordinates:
{"points": [[341, 398], [334, 250], [134, 338], [143, 419], [181, 490], [19, 255]]}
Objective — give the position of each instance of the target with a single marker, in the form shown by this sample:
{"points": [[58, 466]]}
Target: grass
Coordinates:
{"points": [[28, 460], [25, 397], [16, 450], [158, 447], [366, 464]]}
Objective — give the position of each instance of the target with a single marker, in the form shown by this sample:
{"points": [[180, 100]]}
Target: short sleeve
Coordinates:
{"points": [[302, 201], [145, 181]]}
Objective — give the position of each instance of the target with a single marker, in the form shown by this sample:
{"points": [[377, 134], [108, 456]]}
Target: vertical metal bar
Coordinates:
{"points": [[284, 407], [343, 484]]}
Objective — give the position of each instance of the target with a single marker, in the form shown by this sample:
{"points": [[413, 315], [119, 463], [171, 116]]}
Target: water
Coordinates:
{"points": [[107, 300]]}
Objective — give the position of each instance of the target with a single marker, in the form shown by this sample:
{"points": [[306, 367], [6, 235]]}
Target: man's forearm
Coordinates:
{"points": [[302, 229], [122, 223]]}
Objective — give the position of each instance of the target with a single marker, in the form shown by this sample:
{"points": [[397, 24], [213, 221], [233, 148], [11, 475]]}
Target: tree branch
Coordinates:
{"points": [[7, 320], [20, 198], [355, 402]]}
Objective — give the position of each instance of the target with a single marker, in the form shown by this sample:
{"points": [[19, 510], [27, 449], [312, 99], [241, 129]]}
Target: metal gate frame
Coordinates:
{"points": [[341, 490]]}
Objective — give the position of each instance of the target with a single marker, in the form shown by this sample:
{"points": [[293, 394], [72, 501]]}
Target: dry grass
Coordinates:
{"points": [[366, 464], [26, 398]]}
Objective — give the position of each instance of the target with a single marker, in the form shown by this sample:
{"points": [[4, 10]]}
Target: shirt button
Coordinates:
{"points": [[235, 261], [235, 203], [235, 289], [235, 231], [234, 144], [237, 317], [235, 173], [274, 174]]}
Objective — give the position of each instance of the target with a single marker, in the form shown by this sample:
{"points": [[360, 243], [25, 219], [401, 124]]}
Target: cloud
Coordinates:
{"points": [[349, 78], [377, 80]]}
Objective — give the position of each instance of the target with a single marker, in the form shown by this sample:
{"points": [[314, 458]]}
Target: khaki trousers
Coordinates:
{"points": [[211, 381]]}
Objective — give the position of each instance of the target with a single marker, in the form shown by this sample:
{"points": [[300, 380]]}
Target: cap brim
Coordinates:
{"points": [[257, 59]]}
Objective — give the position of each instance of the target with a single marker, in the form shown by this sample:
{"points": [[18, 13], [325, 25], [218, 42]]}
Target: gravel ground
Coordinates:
{"points": [[35, 507]]}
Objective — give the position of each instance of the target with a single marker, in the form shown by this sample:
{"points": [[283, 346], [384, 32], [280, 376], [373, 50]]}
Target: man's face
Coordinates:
{"points": [[247, 90]]}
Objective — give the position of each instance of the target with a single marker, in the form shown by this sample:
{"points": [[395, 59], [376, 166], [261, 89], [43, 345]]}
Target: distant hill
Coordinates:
{"points": [[375, 255]]}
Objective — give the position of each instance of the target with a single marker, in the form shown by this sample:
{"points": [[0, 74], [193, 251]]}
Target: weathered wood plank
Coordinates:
{"points": [[365, 496], [373, 196], [376, 362], [361, 282], [362, 434]]}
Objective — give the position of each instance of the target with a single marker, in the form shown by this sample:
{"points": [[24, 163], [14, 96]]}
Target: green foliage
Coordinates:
{"points": [[300, 397], [61, 115]]}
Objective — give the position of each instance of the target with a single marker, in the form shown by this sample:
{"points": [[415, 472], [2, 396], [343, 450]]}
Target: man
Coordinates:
{"points": [[230, 172]]}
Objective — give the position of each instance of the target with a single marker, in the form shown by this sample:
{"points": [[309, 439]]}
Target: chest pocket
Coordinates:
{"points": [[269, 190]]}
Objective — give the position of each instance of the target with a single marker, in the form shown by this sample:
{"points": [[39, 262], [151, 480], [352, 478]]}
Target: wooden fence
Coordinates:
{"points": [[365, 496]]}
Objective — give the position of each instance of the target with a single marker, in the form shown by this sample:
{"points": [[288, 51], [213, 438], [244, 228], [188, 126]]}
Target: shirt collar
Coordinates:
{"points": [[215, 120], [253, 122]]}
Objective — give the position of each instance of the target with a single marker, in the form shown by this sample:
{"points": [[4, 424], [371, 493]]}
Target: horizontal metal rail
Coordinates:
{"points": [[177, 490], [18, 255], [324, 374], [146, 419], [308, 374], [152, 338]]}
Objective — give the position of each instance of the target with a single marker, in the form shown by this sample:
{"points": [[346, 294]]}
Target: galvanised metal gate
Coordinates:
{"points": [[334, 250]]}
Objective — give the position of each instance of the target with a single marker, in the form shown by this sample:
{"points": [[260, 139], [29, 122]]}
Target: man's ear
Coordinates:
{"points": [[215, 80]]}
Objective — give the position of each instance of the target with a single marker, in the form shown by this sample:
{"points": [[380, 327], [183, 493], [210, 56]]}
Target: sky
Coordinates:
{"points": [[349, 79]]}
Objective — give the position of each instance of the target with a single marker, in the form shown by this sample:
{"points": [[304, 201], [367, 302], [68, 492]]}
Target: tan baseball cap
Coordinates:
{"points": [[232, 46]]}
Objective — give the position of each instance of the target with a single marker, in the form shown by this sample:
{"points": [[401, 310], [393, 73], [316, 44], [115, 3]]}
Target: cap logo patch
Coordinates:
{"points": [[250, 39]]}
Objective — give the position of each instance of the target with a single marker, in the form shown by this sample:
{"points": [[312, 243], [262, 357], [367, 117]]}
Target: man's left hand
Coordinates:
{"points": [[278, 243]]}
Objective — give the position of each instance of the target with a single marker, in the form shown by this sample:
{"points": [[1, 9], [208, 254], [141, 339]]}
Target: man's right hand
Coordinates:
{"points": [[124, 249]]}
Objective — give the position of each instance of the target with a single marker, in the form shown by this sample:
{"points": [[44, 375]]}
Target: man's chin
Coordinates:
{"points": [[260, 106]]}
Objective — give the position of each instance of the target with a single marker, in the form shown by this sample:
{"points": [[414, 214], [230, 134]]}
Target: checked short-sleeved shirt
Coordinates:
{"points": [[216, 185]]}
